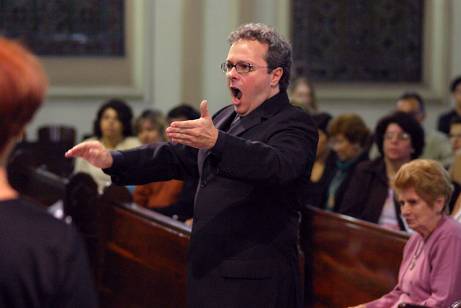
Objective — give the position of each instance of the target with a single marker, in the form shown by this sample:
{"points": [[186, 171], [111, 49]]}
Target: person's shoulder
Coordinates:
{"points": [[435, 136], [290, 114], [368, 166], [29, 222], [128, 143], [451, 228], [444, 116]]}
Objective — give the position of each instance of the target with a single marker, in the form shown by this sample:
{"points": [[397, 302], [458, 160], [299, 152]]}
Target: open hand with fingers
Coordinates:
{"points": [[200, 133], [92, 151]]}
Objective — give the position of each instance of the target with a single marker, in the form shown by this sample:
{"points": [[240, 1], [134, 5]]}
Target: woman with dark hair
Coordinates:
{"points": [[43, 261], [400, 138], [113, 128], [430, 271]]}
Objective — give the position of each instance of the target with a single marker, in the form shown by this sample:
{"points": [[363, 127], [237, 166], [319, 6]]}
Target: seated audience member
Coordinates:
{"points": [[150, 128], [323, 167], [302, 94], [445, 119], [436, 143], [349, 138], [455, 140], [430, 271], [43, 261], [455, 136], [113, 128], [183, 208], [400, 138]]}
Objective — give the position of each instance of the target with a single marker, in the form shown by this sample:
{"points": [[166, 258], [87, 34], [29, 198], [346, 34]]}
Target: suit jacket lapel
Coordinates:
{"points": [[244, 124]]}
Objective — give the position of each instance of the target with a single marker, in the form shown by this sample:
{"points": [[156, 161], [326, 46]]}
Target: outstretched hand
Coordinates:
{"points": [[92, 151], [200, 133]]}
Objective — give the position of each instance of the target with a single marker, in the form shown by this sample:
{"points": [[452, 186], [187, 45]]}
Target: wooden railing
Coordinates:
{"points": [[354, 261], [143, 256]]}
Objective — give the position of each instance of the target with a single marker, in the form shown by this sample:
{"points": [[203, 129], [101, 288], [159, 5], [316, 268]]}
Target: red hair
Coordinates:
{"points": [[22, 88]]}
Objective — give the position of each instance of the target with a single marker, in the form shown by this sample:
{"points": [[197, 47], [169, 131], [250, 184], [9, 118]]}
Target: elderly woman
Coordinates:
{"points": [[430, 272], [400, 138], [113, 128], [42, 260]]}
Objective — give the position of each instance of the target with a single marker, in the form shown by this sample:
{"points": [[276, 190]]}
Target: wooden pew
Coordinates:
{"points": [[34, 181], [47, 155], [143, 255], [354, 261]]}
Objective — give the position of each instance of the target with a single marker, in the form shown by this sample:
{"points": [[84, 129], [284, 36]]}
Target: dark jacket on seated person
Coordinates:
{"points": [[317, 193], [367, 192]]}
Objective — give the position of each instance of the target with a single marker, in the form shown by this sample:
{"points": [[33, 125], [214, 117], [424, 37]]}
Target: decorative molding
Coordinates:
{"points": [[126, 77], [435, 67]]}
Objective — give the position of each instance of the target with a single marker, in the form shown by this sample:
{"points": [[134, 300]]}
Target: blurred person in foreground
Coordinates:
{"points": [[43, 261], [430, 271], [253, 160]]}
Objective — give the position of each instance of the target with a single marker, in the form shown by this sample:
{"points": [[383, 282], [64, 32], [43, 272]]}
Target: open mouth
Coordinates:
{"points": [[236, 92]]}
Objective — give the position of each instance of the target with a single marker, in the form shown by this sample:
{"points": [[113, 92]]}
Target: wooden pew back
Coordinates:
{"points": [[33, 181], [143, 257], [354, 261]]}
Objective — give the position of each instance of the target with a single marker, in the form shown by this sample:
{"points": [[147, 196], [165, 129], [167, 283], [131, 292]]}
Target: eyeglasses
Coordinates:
{"points": [[240, 67], [399, 136]]}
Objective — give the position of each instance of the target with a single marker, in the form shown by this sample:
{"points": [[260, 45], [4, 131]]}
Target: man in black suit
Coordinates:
{"points": [[253, 161]]}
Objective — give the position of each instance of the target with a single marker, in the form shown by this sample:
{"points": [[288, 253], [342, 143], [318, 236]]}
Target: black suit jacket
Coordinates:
{"points": [[243, 249]]}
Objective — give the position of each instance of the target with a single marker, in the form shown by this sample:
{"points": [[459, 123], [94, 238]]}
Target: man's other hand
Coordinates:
{"points": [[92, 151], [200, 133]]}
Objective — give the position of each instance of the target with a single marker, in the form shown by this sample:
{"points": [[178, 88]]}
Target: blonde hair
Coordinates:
{"points": [[427, 177]]}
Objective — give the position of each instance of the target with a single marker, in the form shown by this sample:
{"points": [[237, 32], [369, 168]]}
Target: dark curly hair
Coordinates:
{"points": [[124, 113], [454, 84], [408, 124]]}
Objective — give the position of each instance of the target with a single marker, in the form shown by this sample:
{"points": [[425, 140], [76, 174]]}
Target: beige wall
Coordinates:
{"points": [[176, 46]]}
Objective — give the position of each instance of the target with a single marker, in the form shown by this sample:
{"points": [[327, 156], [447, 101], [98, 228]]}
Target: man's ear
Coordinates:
{"points": [[277, 73]]}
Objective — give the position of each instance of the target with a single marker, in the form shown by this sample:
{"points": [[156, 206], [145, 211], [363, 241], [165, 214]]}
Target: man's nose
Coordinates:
{"points": [[232, 73]]}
